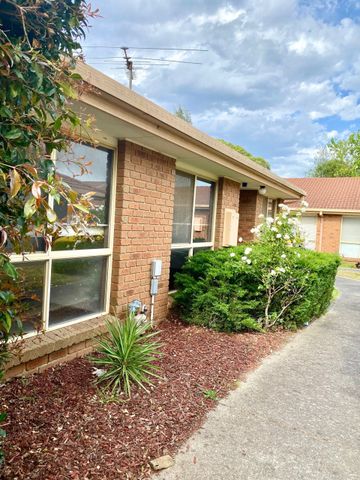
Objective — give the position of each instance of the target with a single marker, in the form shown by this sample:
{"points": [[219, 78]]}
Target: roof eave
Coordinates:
{"points": [[106, 85]]}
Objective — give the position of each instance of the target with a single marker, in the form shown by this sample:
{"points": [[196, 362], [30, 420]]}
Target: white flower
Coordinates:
{"points": [[284, 207], [304, 204], [298, 214], [278, 222], [270, 220], [286, 236], [278, 235], [298, 254], [282, 269], [272, 272], [261, 215], [274, 229], [244, 258], [248, 250], [303, 210], [253, 230], [232, 254], [283, 255], [240, 239], [248, 261]]}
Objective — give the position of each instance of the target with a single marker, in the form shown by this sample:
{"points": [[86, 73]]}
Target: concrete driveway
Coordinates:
{"points": [[295, 417]]}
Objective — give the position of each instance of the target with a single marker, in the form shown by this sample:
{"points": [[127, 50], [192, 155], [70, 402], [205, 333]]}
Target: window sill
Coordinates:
{"points": [[52, 341]]}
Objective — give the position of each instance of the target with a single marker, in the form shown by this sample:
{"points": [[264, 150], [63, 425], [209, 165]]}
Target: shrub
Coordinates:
{"points": [[273, 281], [127, 354], [214, 290]]}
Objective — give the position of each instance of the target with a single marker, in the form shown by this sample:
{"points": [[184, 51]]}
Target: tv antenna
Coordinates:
{"points": [[141, 62], [129, 66]]}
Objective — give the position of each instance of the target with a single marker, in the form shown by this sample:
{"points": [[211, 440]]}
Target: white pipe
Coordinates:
{"points": [[152, 306]]}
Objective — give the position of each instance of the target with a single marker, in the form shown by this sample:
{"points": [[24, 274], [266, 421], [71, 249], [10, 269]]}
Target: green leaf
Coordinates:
{"points": [[81, 207], [68, 90], [10, 270], [51, 215], [13, 134], [29, 208], [15, 182]]}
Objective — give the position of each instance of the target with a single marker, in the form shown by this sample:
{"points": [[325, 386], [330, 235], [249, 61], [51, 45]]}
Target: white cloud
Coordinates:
{"points": [[274, 72]]}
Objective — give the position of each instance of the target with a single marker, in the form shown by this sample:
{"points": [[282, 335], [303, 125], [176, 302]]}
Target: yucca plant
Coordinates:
{"points": [[127, 355]]}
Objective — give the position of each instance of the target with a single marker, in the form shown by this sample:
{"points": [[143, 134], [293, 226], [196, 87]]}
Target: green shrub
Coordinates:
{"points": [[127, 354], [215, 291], [220, 290], [321, 269]]}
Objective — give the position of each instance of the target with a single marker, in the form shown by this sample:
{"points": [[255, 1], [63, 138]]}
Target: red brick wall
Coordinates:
{"points": [[143, 226], [330, 237], [228, 197], [251, 206]]}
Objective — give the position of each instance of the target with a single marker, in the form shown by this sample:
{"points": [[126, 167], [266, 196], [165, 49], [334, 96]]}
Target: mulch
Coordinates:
{"points": [[59, 427]]}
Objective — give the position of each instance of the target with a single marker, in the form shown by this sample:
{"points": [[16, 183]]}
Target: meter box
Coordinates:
{"points": [[156, 266]]}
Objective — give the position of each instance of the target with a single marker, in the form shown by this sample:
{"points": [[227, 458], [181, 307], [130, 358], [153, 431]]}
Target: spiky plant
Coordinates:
{"points": [[128, 355]]}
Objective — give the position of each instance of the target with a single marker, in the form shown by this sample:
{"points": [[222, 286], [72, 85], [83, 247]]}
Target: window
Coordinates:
{"points": [[69, 282], [350, 237], [193, 219], [268, 207], [309, 225]]}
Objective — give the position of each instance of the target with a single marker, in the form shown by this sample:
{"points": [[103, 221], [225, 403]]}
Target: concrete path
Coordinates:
{"points": [[296, 417]]}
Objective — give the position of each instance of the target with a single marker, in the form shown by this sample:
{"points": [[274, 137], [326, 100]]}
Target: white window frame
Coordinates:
{"points": [[341, 234], [50, 255], [191, 246]]}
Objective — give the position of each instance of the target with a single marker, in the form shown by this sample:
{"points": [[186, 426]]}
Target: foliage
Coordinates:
{"points": [[39, 45], [210, 394], [339, 158], [127, 354], [211, 291], [183, 114], [272, 282], [261, 161], [39, 41]]}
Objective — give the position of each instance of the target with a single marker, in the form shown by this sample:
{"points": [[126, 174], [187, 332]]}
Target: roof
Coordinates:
{"points": [[107, 87], [339, 193]]}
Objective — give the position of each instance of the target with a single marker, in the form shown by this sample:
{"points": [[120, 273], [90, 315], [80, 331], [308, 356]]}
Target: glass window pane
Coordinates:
{"points": [[183, 208], [350, 250], [96, 179], [309, 225], [178, 258], [350, 232], [77, 288], [204, 200], [29, 289]]}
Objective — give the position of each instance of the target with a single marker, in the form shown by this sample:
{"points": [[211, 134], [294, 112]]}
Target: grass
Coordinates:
{"points": [[336, 294], [347, 264], [351, 274]]}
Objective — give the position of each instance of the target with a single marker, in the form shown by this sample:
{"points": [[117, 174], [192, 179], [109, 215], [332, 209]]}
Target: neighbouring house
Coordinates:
{"points": [[164, 191], [332, 220]]}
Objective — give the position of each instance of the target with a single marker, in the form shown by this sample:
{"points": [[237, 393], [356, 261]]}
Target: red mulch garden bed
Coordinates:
{"points": [[59, 428]]}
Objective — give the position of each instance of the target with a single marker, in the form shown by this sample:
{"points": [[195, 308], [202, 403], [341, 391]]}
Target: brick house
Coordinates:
{"points": [[164, 190], [332, 221]]}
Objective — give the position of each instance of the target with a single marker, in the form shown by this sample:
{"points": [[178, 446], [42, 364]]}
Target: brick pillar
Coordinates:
{"points": [[228, 197], [330, 235], [252, 204], [143, 226]]}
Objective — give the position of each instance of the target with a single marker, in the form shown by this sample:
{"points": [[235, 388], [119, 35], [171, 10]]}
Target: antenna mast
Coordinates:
{"points": [[129, 66]]}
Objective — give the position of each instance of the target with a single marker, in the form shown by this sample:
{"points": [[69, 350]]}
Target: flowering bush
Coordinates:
{"points": [[276, 266], [273, 281]]}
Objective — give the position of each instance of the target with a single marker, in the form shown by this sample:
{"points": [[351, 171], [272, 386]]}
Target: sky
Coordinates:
{"points": [[278, 77]]}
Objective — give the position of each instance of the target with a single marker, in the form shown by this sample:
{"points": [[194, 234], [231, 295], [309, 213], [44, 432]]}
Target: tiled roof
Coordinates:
{"points": [[340, 193]]}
